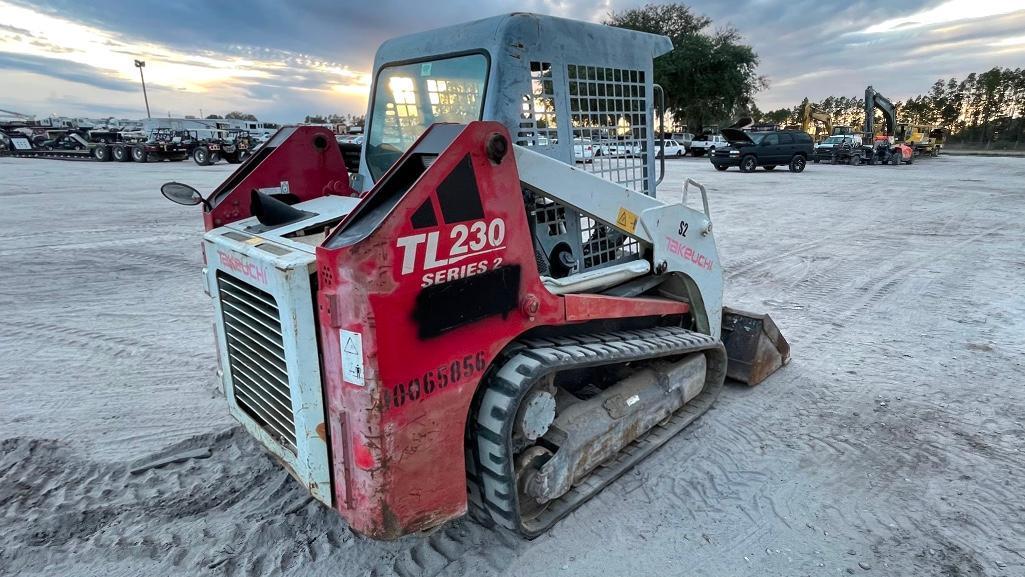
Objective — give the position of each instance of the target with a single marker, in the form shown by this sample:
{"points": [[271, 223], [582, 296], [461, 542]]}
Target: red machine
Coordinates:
{"points": [[486, 329]]}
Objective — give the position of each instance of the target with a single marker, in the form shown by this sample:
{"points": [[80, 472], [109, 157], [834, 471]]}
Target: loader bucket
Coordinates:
{"points": [[754, 346]]}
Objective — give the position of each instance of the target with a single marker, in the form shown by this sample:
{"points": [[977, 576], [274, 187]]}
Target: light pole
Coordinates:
{"points": [[140, 64]]}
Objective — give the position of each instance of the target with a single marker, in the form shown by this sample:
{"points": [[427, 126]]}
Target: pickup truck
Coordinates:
{"points": [[707, 143], [824, 149]]}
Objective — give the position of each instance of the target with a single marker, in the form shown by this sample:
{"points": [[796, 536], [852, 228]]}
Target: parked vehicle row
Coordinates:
{"points": [[205, 147], [233, 146], [851, 149]]}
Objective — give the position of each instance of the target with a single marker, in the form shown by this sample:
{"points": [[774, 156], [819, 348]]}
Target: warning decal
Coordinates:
{"points": [[352, 357], [626, 220]]}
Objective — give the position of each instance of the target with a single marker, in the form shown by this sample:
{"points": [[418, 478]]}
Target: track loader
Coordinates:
{"points": [[471, 323]]}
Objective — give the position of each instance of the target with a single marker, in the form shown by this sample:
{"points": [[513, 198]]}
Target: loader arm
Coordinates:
{"points": [[680, 237], [875, 101]]}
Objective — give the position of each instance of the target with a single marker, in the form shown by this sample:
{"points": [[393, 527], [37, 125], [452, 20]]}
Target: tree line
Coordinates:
{"points": [[346, 119], [983, 109], [234, 115]]}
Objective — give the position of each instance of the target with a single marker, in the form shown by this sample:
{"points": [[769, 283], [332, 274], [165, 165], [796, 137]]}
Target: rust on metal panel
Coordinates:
{"points": [[583, 307]]}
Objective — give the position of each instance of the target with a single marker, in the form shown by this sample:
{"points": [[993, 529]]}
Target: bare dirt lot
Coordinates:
{"points": [[893, 444]]}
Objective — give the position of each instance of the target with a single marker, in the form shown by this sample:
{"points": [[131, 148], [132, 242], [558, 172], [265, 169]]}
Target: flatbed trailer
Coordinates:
{"points": [[53, 154], [20, 146]]}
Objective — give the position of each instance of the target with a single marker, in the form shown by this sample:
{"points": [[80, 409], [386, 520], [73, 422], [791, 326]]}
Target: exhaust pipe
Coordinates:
{"points": [[754, 346]]}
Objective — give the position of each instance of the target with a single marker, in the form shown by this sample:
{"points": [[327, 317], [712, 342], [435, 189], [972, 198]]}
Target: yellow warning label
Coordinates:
{"points": [[254, 241], [626, 220]]}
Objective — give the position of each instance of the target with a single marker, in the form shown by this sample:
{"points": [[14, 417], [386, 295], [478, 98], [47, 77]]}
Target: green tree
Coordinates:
{"points": [[214, 117], [779, 116], [1018, 102], [240, 116], [710, 76]]}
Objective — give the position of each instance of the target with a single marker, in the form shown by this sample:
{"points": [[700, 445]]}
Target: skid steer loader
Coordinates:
{"points": [[471, 322]]}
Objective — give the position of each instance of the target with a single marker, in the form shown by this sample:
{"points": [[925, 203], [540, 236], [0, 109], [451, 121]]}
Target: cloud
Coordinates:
{"points": [[948, 11], [810, 48], [287, 59], [15, 30], [65, 70]]}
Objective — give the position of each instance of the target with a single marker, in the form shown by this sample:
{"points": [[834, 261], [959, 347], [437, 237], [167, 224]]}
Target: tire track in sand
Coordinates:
{"points": [[236, 513]]}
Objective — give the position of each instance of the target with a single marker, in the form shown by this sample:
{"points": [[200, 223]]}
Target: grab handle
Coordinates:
{"points": [[704, 195]]}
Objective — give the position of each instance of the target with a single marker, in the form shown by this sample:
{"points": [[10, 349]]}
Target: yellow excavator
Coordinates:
{"points": [[810, 115], [925, 139]]}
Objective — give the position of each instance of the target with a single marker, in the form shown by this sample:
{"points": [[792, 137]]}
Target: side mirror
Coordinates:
{"points": [[181, 193]]}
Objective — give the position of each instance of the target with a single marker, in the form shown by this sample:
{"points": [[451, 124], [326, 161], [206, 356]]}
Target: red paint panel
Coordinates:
{"points": [[585, 307], [411, 424], [306, 157], [403, 439]]}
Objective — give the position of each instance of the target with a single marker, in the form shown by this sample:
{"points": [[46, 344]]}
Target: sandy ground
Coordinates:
{"points": [[894, 444]]}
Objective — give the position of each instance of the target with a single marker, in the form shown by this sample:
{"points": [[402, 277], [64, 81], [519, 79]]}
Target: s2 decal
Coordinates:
{"points": [[683, 228]]}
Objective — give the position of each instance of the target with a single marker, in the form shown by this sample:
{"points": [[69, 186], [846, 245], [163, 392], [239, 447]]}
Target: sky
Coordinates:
{"points": [[284, 60]]}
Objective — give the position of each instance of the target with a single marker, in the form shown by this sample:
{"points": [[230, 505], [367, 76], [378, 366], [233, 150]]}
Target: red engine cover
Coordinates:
{"points": [[303, 161]]}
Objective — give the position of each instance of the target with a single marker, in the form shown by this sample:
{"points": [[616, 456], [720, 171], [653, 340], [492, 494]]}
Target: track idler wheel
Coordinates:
{"points": [[528, 465]]}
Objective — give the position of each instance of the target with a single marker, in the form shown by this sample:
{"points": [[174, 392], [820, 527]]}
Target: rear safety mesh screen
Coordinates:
{"points": [[256, 357], [609, 111], [538, 123]]}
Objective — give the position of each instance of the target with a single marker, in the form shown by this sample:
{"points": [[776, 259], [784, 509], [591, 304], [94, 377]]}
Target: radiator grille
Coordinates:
{"points": [[256, 357]]}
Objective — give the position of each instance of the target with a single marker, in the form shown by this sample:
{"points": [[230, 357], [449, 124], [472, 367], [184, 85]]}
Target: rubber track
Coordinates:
{"points": [[490, 471]]}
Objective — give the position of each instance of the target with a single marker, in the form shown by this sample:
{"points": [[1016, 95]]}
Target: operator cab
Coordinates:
{"points": [[551, 81]]}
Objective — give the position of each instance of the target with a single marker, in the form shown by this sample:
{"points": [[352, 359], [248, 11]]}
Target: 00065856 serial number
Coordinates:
{"points": [[434, 380]]}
